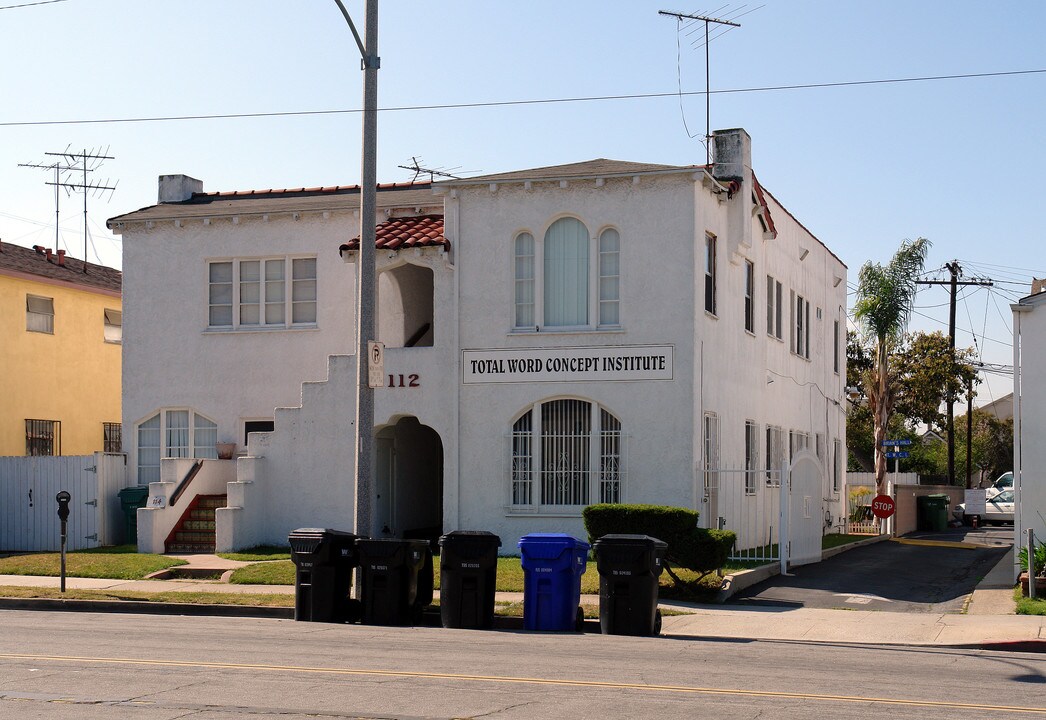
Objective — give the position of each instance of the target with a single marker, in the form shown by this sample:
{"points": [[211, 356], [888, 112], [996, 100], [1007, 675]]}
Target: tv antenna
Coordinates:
{"points": [[708, 105], [419, 170], [66, 166]]}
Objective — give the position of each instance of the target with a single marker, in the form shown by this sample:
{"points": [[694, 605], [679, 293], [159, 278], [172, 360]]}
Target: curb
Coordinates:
{"points": [[146, 608]]}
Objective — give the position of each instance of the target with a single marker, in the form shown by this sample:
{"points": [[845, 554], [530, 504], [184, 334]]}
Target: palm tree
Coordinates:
{"points": [[885, 296]]}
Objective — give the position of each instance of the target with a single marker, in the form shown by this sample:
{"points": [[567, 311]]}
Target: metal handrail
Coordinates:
{"points": [[184, 484]]}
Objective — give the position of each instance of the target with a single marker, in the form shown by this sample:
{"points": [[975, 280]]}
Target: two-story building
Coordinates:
{"points": [[60, 334], [602, 331]]}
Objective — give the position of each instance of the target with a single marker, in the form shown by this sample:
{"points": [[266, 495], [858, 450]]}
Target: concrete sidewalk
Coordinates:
{"points": [[989, 623]]}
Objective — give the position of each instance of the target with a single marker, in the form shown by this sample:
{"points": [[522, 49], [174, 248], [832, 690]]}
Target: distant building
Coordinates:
{"points": [[603, 331], [60, 335], [1002, 409]]}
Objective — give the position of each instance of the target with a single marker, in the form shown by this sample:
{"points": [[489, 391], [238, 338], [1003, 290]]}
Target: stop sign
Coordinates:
{"points": [[883, 506]]}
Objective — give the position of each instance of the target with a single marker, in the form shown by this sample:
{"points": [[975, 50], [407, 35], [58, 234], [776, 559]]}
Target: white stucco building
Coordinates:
{"points": [[602, 331], [1029, 416]]}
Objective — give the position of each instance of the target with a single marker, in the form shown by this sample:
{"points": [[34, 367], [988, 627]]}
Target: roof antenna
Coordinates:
{"points": [[708, 114], [418, 169], [65, 168]]}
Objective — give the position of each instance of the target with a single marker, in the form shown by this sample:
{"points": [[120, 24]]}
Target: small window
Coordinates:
{"points": [[524, 280], [39, 314], [43, 437], [710, 273], [749, 296], [609, 277], [751, 457], [112, 437], [800, 340], [113, 326], [773, 307], [835, 346], [303, 291], [837, 466], [256, 426], [775, 457]]}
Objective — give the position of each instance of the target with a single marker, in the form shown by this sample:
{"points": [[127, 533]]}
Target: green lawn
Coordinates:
{"points": [[122, 563], [833, 541], [259, 553], [191, 598]]}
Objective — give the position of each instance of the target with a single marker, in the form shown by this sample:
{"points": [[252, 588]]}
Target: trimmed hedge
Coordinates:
{"points": [[689, 546]]}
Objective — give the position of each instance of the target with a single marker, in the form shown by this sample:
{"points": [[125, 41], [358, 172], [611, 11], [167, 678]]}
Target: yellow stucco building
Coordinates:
{"points": [[60, 337]]}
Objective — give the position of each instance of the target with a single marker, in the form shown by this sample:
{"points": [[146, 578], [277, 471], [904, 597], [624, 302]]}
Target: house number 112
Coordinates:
{"points": [[412, 380]]}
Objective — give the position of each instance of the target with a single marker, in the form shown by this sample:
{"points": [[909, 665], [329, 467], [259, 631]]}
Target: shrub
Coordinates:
{"points": [[690, 547], [1039, 559]]}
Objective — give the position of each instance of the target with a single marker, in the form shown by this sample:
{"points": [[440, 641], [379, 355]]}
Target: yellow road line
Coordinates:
{"points": [[532, 681], [938, 543]]}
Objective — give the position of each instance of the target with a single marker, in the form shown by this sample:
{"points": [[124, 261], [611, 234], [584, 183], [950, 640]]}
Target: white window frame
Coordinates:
{"points": [[594, 321], [528, 491], [268, 298], [609, 302], [39, 314], [710, 450], [752, 469], [711, 271], [525, 280], [774, 292], [775, 453], [837, 465], [835, 346], [194, 431], [800, 325], [749, 297]]}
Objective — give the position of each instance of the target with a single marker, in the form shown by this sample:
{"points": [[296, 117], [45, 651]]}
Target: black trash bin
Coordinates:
{"points": [[132, 498], [323, 560], [629, 567], [468, 569], [396, 580]]}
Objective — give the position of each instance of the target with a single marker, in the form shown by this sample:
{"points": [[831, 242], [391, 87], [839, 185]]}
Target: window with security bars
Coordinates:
{"points": [[39, 314], [797, 440], [566, 453], [257, 293], [112, 437], [751, 457], [43, 437]]}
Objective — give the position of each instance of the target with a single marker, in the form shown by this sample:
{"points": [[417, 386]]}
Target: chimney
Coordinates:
{"points": [[61, 258], [732, 155], [48, 254], [1037, 285], [39, 249], [178, 188]]}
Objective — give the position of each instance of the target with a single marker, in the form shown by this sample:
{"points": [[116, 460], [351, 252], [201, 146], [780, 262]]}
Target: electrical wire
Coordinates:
{"points": [[511, 103], [31, 4]]}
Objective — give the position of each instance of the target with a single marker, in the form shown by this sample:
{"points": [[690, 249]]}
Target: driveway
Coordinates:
{"points": [[891, 576]]}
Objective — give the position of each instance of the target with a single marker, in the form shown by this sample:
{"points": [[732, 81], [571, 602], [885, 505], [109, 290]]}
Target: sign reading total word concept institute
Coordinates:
{"points": [[570, 364]]}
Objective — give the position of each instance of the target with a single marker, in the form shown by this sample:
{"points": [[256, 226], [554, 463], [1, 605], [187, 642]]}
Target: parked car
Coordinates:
{"points": [[997, 509], [1004, 482]]}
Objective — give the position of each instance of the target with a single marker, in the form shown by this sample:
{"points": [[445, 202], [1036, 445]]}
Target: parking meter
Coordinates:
{"points": [[63, 499]]}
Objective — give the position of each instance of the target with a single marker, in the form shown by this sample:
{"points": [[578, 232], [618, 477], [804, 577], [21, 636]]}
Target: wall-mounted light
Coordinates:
{"points": [[803, 253]]}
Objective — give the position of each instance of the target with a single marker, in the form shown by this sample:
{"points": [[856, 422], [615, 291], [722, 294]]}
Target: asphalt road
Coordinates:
{"points": [[891, 576], [92, 666]]}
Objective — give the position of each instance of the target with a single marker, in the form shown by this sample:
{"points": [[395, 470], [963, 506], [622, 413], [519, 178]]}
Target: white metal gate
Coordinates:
{"points": [[748, 503], [28, 511], [803, 515]]}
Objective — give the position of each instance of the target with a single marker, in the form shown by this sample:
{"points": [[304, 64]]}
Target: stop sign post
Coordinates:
{"points": [[883, 506]]}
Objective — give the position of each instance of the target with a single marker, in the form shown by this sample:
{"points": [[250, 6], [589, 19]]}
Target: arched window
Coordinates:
{"points": [[566, 273], [609, 276], [177, 433], [566, 453]]}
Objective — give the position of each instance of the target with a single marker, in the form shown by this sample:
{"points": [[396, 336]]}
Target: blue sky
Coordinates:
{"points": [[862, 166]]}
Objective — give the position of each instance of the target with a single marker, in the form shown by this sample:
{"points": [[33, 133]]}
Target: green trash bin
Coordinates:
{"points": [[132, 498], [937, 511]]}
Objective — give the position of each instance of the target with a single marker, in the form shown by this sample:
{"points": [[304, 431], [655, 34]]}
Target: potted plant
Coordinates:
{"points": [[1038, 569], [226, 450]]}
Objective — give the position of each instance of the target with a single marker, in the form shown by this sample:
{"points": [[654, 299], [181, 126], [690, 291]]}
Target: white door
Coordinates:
{"points": [[804, 514]]}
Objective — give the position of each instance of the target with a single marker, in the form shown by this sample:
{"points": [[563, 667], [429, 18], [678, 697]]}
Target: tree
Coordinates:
{"points": [[885, 296], [929, 375]]}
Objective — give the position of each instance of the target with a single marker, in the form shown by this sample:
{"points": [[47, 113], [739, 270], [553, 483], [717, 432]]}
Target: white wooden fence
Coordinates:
{"points": [[29, 513]]}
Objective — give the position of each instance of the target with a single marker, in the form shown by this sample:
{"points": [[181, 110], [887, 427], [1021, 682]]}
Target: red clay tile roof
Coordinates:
{"points": [[406, 232], [15, 259], [767, 217]]}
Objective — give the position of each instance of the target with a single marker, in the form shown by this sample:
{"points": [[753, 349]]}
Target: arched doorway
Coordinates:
{"points": [[408, 484]]}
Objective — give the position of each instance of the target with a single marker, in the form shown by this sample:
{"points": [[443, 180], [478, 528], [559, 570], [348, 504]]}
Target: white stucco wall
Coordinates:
{"points": [[1030, 420]]}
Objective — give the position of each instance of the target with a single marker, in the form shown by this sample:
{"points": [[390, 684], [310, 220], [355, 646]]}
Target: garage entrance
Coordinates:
{"points": [[408, 483]]}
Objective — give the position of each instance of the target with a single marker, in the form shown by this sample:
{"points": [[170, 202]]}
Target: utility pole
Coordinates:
{"points": [[708, 94], [366, 301], [956, 272]]}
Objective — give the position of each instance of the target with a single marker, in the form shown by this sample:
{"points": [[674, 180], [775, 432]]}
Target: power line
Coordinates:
{"points": [[31, 4], [510, 103]]}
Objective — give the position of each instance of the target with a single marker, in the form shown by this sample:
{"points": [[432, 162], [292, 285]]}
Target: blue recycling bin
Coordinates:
{"points": [[552, 568]]}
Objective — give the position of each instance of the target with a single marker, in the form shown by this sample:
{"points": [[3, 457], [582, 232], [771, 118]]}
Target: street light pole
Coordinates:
{"points": [[365, 303]]}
